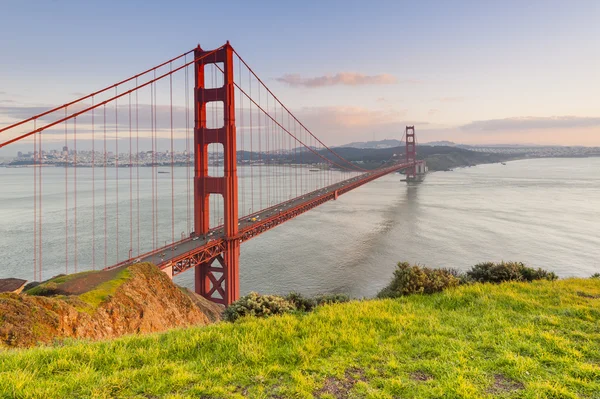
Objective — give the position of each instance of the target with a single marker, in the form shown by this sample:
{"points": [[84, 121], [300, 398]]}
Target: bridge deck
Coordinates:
{"points": [[192, 251]]}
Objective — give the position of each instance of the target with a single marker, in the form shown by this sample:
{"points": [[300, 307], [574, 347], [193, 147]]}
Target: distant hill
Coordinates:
{"points": [[387, 143], [391, 143], [437, 157], [441, 143]]}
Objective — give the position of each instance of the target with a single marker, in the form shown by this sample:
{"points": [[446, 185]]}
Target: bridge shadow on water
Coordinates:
{"points": [[400, 222]]}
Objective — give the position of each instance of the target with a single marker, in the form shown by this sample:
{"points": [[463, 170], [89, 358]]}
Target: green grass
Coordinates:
{"points": [[521, 340], [52, 284], [100, 293]]}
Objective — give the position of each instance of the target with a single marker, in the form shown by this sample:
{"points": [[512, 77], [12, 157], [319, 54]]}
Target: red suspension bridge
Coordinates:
{"points": [[178, 165]]}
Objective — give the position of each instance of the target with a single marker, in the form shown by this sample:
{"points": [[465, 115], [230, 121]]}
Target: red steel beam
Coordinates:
{"points": [[212, 250]]}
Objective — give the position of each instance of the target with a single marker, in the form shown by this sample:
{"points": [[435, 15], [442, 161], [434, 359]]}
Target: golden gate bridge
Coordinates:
{"points": [[227, 117]]}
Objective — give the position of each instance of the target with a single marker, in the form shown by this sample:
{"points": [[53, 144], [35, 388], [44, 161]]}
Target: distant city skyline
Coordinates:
{"points": [[468, 72]]}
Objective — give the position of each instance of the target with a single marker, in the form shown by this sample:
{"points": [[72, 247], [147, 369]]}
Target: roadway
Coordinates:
{"points": [[162, 257]]}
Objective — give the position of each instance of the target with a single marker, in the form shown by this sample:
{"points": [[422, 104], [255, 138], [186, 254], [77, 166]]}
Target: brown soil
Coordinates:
{"points": [[420, 376], [504, 384], [340, 387], [147, 301], [586, 295]]}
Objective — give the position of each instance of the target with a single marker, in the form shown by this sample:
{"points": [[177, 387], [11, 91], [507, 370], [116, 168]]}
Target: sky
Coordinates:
{"points": [[473, 72]]}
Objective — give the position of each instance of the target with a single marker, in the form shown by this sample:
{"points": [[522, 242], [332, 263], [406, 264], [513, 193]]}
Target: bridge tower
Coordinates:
{"points": [[411, 153], [217, 282]]}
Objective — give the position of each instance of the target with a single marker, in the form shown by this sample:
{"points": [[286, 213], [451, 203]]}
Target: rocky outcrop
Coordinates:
{"points": [[137, 299]]}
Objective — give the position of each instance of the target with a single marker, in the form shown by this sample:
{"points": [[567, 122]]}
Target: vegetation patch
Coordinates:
{"points": [[103, 291], [257, 305], [414, 279], [409, 280], [71, 284], [490, 272], [100, 305], [540, 338]]}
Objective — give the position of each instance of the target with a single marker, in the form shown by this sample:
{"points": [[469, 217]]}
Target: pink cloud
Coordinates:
{"points": [[341, 125]]}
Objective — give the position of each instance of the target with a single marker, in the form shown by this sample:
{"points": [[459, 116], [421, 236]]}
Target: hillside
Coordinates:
{"points": [[437, 157], [99, 305], [513, 340]]}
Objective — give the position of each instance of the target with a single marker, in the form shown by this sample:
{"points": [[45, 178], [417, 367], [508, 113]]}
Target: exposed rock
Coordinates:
{"points": [[100, 305]]}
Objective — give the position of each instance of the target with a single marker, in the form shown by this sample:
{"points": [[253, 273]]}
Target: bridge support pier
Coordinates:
{"points": [[218, 283]]}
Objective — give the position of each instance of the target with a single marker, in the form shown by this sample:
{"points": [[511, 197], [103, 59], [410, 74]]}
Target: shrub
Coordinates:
{"points": [[490, 272], [418, 280], [595, 275], [300, 302], [257, 305], [331, 298], [531, 274]]}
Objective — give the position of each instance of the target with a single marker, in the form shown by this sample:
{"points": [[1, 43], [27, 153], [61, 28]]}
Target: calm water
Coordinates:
{"points": [[544, 212]]}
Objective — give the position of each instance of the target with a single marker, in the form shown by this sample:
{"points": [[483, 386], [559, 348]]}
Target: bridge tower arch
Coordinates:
{"points": [[217, 281]]}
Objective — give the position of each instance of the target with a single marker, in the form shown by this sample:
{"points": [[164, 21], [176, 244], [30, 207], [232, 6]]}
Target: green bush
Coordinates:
{"points": [[300, 302], [531, 274], [418, 280], [327, 299], [257, 305], [490, 272], [595, 275]]}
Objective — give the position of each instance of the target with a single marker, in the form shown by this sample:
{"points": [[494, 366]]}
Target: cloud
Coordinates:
{"points": [[341, 78], [433, 112], [531, 122], [6, 101], [341, 125]]}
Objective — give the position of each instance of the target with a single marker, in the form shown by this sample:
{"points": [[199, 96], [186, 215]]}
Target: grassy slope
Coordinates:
{"points": [[511, 340]]}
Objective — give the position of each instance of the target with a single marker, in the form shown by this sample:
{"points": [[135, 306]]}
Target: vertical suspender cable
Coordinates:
{"points": [[172, 160], [93, 189], [241, 133], [40, 244], [153, 163], [117, 169], [75, 193], [187, 145], [251, 151], [137, 163], [35, 220], [156, 168], [130, 181], [66, 151], [105, 202]]}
